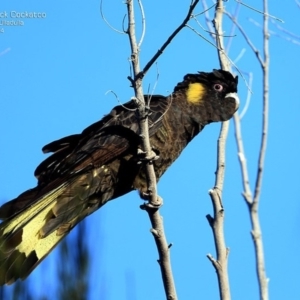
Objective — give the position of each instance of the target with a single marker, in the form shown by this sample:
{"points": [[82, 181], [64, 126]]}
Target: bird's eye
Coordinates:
{"points": [[218, 87]]}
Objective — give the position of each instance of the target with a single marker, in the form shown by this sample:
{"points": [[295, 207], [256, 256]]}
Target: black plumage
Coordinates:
{"points": [[102, 163]]}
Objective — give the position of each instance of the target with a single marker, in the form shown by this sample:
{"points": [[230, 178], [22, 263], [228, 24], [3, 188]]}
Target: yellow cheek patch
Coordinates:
{"points": [[195, 93]]}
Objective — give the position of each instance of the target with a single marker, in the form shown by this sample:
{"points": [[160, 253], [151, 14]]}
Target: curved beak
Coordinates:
{"points": [[235, 97]]}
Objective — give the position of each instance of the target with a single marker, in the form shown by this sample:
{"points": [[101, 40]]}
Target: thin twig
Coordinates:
{"points": [[199, 34], [170, 38], [260, 12], [233, 27], [249, 42], [248, 98], [239, 57], [205, 10], [143, 23], [289, 39], [287, 32], [221, 50], [210, 32], [108, 24], [118, 100], [242, 159], [208, 19], [217, 221], [154, 86]]}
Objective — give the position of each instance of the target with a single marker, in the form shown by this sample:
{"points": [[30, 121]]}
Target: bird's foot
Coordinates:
{"points": [[152, 203], [143, 157]]}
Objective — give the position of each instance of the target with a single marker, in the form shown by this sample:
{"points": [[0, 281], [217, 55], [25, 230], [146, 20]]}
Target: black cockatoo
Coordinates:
{"points": [[87, 170]]}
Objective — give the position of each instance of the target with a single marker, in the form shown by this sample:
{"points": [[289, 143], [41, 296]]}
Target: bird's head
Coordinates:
{"points": [[212, 95]]}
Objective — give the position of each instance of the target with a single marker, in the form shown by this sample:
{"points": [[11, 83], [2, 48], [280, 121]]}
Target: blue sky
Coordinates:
{"points": [[54, 75]]}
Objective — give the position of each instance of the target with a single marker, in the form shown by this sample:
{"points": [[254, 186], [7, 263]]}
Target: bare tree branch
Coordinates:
{"points": [[217, 221], [233, 27], [154, 199], [249, 95], [170, 38], [163, 251], [288, 33], [250, 200], [137, 85], [104, 19], [206, 9], [251, 45], [260, 12], [199, 34], [212, 35], [143, 23], [256, 231], [265, 68], [243, 163], [207, 18]]}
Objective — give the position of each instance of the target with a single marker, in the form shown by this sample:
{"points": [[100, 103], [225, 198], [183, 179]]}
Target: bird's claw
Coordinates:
{"points": [[151, 204], [143, 157]]}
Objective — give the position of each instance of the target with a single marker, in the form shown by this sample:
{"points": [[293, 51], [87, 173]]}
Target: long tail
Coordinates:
{"points": [[28, 235]]}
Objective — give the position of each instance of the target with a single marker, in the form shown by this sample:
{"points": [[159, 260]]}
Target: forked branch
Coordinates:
{"points": [[217, 221], [170, 38], [154, 199], [253, 201]]}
